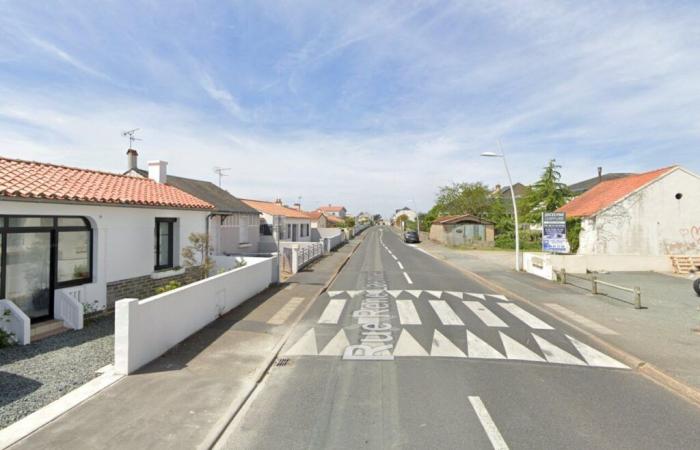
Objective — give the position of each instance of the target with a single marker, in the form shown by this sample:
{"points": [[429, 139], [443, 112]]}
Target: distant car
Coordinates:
{"points": [[411, 237]]}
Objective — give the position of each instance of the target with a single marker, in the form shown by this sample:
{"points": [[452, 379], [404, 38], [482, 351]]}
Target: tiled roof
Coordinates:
{"points": [[330, 208], [28, 179], [608, 193], [334, 219], [314, 215], [275, 209], [468, 218]]}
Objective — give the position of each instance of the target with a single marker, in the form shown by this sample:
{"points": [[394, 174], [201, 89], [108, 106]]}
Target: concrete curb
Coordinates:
{"points": [[220, 427], [41, 417], [645, 368]]}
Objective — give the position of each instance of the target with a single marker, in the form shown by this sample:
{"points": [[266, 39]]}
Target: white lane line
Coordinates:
{"points": [[446, 314], [332, 312], [485, 315], [408, 279], [586, 322], [284, 312], [524, 316], [400, 265], [487, 422], [395, 258], [408, 315]]}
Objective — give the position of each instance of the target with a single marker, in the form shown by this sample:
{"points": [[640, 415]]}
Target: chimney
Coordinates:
{"points": [[600, 174], [297, 206], [132, 157], [158, 171], [279, 201]]}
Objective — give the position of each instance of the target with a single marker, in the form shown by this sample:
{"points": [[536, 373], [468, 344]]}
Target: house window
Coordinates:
{"points": [[265, 229], [289, 230], [164, 243]]}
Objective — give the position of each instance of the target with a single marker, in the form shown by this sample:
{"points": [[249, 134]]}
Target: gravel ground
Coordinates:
{"points": [[32, 376]]}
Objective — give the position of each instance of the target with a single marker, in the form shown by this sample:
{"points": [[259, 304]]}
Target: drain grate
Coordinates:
{"points": [[282, 362]]}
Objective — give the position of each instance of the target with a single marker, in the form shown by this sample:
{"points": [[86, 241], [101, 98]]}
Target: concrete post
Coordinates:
{"points": [[295, 259], [563, 275], [594, 285]]}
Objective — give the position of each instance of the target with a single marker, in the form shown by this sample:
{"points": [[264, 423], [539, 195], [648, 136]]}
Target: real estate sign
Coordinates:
{"points": [[554, 233]]}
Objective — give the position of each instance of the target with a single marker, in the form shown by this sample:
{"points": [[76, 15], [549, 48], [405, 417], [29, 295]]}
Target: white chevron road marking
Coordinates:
{"points": [[408, 346], [517, 351], [436, 294], [479, 296], [407, 313], [556, 355], [332, 294], [337, 345], [595, 358], [333, 311], [459, 295], [445, 313], [415, 293], [485, 315], [499, 296], [305, 346], [478, 348], [444, 347], [524, 316], [394, 293], [353, 294]]}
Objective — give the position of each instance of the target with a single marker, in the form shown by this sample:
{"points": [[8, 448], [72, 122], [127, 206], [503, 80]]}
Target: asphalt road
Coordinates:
{"points": [[404, 351]]}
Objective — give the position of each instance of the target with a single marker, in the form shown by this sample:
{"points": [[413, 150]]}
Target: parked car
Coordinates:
{"points": [[411, 237]]}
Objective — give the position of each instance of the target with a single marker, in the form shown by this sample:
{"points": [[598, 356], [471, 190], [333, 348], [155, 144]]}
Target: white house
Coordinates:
{"points": [[405, 211], [90, 236], [234, 227], [650, 214], [294, 225]]}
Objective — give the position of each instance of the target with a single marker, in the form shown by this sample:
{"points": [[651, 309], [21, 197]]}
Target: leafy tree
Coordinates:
{"points": [[463, 198], [503, 222], [547, 194], [196, 254], [349, 222]]}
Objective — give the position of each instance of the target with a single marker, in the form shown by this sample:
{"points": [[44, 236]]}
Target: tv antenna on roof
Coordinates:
{"points": [[220, 171], [132, 138]]}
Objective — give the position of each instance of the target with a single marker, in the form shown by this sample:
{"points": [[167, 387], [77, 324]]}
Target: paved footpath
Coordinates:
{"points": [[405, 351], [186, 397]]}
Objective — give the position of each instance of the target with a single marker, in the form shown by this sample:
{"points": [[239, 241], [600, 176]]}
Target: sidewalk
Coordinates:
{"points": [[660, 337], [186, 397]]}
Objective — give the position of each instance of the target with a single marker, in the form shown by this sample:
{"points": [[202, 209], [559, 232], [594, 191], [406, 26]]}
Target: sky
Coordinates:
{"points": [[372, 105]]}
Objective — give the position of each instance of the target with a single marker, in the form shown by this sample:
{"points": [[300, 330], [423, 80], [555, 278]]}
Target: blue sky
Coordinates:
{"points": [[364, 103]]}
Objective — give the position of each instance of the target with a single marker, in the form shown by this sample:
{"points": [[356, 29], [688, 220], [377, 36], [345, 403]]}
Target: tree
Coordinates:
{"points": [[463, 198], [547, 194], [197, 254], [498, 214]]}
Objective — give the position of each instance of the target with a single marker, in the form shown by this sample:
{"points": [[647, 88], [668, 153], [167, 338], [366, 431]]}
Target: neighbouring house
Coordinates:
{"points": [[334, 222], [330, 210], [650, 214], [405, 211], [318, 219], [463, 230], [586, 185], [233, 226], [364, 218], [293, 223], [503, 192], [70, 234]]}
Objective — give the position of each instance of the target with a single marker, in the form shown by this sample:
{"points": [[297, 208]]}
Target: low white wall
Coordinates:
{"points": [[594, 263], [538, 264], [15, 322], [145, 329]]}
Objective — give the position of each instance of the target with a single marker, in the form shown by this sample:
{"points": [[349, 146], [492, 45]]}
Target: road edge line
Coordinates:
{"points": [[217, 431], [644, 368]]}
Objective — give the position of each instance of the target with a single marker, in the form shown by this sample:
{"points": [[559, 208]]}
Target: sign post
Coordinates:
{"points": [[554, 233]]}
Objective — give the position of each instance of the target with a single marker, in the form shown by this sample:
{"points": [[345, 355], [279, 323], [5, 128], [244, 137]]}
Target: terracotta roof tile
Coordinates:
{"points": [[29, 179], [275, 209], [330, 208], [608, 193]]}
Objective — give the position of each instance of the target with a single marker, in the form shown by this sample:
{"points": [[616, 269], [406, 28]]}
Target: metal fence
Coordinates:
{"points": [[594, 284]]}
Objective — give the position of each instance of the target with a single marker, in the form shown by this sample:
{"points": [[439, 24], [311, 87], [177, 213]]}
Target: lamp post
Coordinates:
{"points": [[512, 196]]}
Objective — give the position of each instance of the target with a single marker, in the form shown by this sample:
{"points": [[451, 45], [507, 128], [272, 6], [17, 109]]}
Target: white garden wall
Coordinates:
{"points": [[145, 329]]}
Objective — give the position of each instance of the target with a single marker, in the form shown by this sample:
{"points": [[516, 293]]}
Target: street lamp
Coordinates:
{"points": [[512, 196]]}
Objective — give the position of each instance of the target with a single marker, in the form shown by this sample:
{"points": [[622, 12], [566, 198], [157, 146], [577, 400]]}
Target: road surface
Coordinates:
{"points": [[404, 351]]}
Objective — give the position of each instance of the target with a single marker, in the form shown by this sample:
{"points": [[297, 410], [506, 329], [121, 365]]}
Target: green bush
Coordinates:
{"points": [[168, 287]]}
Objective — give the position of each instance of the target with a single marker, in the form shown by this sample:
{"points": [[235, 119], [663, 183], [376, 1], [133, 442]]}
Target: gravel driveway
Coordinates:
{"points": [[32, 376]]}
